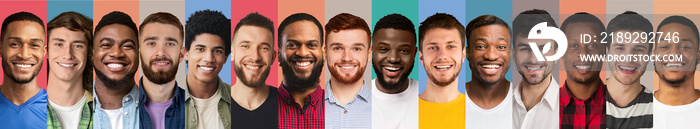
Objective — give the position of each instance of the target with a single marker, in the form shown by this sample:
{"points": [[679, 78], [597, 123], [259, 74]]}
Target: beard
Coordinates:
{"points": [[16, 79], [115, 84], [346, 80], [391, 86], [251, 83], [443, 83], [673, 82], [295, 83], [159, 77]]}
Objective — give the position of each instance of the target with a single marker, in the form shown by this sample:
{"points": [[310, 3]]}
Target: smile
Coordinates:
{"points": [[66, 65], [114, 65]]}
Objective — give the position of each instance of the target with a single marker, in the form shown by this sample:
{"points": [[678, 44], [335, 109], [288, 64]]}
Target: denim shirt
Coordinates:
{"points": [[223, 106], [174, 115], [129, 108]]}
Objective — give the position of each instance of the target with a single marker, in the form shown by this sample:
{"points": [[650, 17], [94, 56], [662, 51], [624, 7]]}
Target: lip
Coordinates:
{"points": [[392, 70], [206, 68], [302, 64], [23, 66], [533, 68], [67, 65], [252, 66], [583, 68], [627, 69], [490, 68], [160, 64], [347, 68], [443, 67]]}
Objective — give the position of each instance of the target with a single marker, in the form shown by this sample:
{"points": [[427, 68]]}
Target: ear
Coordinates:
{"points": [[182, 54], [369, 55], [465, 53], [420, 57], [274, 55]]}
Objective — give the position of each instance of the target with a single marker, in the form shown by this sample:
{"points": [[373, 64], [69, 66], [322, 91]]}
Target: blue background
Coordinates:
{"points": [[219, 5]]}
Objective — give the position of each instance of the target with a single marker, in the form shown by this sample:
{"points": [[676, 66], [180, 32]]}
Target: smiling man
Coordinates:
{"points": [[254, 102], [301, 58], [489, 99], [22, 102], [677, 102], [207, 45], [162, 101], [583, 93], [442, 53], [116, 61], [348, 99], [70, 72], [394, 95]]}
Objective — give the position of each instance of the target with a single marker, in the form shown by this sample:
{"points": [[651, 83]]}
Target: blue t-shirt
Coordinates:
{"points": [[29, 115]]}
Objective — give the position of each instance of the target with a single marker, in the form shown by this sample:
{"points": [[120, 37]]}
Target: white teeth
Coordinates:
{"points": [[391, 68], [674, 64], [443, 67], [66, 65], [115, 65], [583, 66], [303, 63], [161, 63], [347, 67], [491, 66], [23, 65], [252, 67], [627, 68], [207, 68], [533, 68]]}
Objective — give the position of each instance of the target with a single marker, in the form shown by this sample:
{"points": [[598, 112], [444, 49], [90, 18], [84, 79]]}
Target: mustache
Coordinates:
{"points": [[300, 58], [161, 59], [346, 62]]}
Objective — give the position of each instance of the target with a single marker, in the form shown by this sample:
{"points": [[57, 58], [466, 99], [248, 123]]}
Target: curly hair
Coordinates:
{"points": [[211, 22]]}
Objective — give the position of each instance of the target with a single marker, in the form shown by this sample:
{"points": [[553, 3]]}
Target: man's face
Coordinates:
{"points": [[206, 57], [393, 56], [348, 52], [676, 72], [68, 56], [115, 55], [23, 51], [582, 71], [489, 53], [442, 55], [532, 71], [301, 55], [161, 46], [629, 71], [253, 54]]}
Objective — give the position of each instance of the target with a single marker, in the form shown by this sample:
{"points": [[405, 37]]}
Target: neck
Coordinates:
{"points": [[531, 94], [18, 93], [583, 91], [678, 94], [299, 95], [158, 93], [623, 94], [111, 99], [344, 93], [440, 94], [65, 92], [487, 96], [402, 87], [200, 89], [249, 97]]}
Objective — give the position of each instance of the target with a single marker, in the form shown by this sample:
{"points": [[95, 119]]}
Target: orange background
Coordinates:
{"points": [[569, 7], [103, 7], [676, 7], [289, 7]]}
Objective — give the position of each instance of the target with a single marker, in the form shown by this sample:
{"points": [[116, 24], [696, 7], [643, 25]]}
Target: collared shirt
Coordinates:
{"points": [[639, 113], [130, 114], [355, 114], [293, 116], [544, 115], [223, 106], [29, 115], [85, 121], [174, 115], [582, 114]]}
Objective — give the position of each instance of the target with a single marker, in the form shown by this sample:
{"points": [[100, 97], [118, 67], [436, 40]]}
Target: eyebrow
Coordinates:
{"points": [[522, 45], [151, 38], [128, 40], [107, 39], [359, 44], [32, 39], [171, 39], [58, 39]]}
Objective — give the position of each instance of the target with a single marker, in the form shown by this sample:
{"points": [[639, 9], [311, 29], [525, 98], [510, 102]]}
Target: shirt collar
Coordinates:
{"points": [[550, 95], [223, 88], [133, 94], [567, 97], [143, 96], [312, 99], [364, 93]]}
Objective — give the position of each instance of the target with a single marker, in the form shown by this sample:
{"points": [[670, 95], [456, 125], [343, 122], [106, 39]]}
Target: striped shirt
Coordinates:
{"points": [[293, 116], [582, 114], [355, 114], [636, 114]]}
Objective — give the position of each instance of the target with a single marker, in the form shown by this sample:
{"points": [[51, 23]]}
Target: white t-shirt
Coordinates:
{"points": [[395, 111], [676, 117], [499, 117], [544, 115], [69, 117], [207, 112], [115, 117]]}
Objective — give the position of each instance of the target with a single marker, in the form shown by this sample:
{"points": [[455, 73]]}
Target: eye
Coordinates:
{"points": [[523, 49], [171, 44], [313, 45], [58, 44], [291, 45], [451, 46], [245, 46], [687, 47], [34, 45], [336, 48], [501, 47], [479, 47], [128, 46], [218, 51], [14, 45], [640, 50], [199, 49], [404, 50], [619, 48], [432, 48], [357, 49], [106, 45], [78, 46], [573, 45], [383, 49], [151, 44], [592, 45], [265, 48]]}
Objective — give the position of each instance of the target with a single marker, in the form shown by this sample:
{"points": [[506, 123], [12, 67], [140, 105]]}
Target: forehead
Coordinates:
{"points": [[437, 34], [350, 36], [493, 29], [65, 32], [115, 31], [24, 27], [391, 34], [250, 32], [208, 40], [581, 27], [156, 28], [302, 29]]}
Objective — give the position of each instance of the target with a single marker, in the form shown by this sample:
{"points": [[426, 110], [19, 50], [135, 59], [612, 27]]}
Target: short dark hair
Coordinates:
{"points": [[485, 20], [395, 21], [528, 19], [208, 21], [20, 16], [346, 21], [680, 20], [117, 17], [255, 19], [76, 22], [629, 20], [442, 21], [165, 18], [583, 17], [294, 18]]}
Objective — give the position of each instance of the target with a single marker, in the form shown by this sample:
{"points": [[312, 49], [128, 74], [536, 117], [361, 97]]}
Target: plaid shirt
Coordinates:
{"points": [[293, 116], [85, 117], [582, 114]]}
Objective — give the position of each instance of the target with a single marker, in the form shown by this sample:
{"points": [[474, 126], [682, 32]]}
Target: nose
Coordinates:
{"points": [[345, 57], [24, 52], [442, 55], [393, 57], [303, 51], [208, 57], [491, 54], [116, 52]]}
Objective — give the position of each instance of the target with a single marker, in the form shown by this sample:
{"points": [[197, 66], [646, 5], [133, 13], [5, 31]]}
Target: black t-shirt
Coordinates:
{"points": [[263, 117]]}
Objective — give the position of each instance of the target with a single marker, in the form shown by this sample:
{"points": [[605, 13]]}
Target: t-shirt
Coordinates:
{"points": [[637, 114], [493, 118], [29, 115], [207, 112], [157, 112], [263, 117], [115, 118], [395, 111], [69, 117], [676, 117], [448, 115]]}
